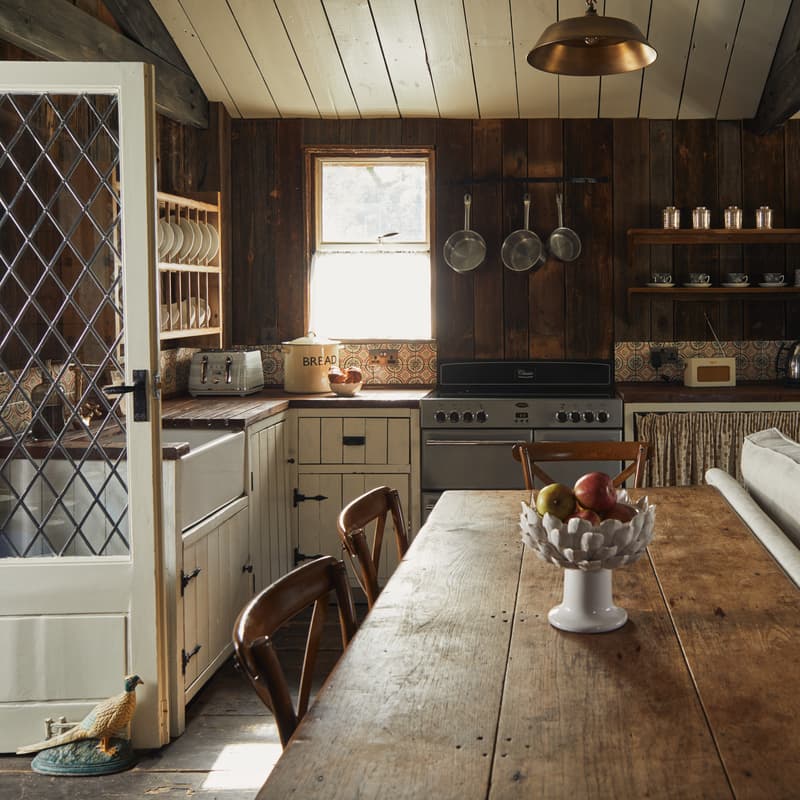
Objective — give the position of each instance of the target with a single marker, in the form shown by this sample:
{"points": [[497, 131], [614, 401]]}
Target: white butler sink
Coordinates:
{"points": [[210, 475]]}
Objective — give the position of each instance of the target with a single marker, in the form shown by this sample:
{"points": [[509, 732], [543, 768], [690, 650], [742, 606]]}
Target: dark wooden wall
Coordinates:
{"points": [[561, 310]]}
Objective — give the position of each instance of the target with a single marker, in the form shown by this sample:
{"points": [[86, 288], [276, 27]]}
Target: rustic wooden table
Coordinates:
{"points": [[456, 686]]}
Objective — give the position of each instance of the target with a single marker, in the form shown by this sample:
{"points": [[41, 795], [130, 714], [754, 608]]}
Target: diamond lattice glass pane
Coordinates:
{"points": [[63, 475]]}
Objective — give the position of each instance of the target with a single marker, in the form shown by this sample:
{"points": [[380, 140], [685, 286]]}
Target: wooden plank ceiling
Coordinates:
{"points": [[467, 58]]}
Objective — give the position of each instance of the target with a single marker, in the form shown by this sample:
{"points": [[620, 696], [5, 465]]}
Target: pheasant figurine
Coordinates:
{"points": [[109, 717]]}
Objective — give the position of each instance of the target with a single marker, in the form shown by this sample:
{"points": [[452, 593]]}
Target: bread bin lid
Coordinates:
{"points": [[312, 338]]}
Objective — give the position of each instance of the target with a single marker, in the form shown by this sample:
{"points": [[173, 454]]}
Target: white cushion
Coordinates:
{"points": [[771, 473], [772, 537]]}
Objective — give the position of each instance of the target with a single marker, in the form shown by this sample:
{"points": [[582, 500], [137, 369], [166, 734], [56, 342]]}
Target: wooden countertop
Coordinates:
{"points": [[663, 392], [239, 412], [456, 686]]}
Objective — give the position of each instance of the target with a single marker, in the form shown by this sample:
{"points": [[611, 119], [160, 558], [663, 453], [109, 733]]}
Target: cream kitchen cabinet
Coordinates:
{"points": [[338, 455], [270, 533], [213, 582]]}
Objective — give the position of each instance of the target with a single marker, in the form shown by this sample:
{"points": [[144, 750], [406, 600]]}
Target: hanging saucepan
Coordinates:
{"points": [[522, 249], [465, 250], [563, 243]]}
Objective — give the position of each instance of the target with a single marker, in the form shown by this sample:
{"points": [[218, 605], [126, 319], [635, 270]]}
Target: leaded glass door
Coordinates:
{"points": [[81, 599]]}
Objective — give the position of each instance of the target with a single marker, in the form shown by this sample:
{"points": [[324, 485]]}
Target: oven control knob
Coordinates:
{"points": [[561, 416], [481, 416], [574, 416], [588, 416], [602, 416], [440, 416], [467, 416], [454, 416]]}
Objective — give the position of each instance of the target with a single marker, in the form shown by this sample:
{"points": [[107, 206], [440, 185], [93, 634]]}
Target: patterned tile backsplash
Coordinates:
{"points": [[755, 360], [414, 365]]}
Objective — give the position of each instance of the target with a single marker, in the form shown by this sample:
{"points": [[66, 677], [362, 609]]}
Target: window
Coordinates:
{"points": [[371, 255]]}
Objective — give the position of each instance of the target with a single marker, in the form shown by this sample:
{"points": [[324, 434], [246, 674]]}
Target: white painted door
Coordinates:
{"points": [[81, 595]]}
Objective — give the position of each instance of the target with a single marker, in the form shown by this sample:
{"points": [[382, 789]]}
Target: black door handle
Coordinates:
{"points": [[139, 389]]}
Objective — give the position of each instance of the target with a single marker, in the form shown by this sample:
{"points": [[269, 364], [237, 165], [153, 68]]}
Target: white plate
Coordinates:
{"points": [[214, 249], [177, 243], [205, 248], [698, 285], [735, 285], [659, 285], [188, 240], [166, 238], [194, 254], [772, 285]]}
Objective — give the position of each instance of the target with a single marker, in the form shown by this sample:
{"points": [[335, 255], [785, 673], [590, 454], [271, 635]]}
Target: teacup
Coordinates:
{"points": [[773, 277], [662, 277], [737, 277], [699, 277]]}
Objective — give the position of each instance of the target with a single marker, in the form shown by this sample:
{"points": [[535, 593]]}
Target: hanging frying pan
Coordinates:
{"points": [[563, 243], [522, 249], [465, 250]]}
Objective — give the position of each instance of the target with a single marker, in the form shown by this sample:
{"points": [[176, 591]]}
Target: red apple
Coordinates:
{"points": [[354, 375], [335, 375], [587, 514], [595, 490], [556, 499], [621, 511]]}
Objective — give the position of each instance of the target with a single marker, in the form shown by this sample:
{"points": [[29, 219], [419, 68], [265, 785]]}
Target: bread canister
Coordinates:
{"points": [[306, 363]]}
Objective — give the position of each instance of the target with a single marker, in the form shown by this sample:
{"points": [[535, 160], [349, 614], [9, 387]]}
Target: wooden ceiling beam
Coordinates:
{"points": [[56, 30], [138, 21], [781, 96]]}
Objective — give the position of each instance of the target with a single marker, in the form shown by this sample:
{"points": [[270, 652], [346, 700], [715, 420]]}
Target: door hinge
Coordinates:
{"points": [[297, 497], [187, 579], [187, 657], [298, 556]]}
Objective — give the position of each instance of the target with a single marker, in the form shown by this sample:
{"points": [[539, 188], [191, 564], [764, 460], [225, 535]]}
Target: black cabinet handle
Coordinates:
{"points": [[354, 441], [187, 657]]}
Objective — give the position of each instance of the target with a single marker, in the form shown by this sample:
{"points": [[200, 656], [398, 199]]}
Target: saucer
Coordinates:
{"points": [[659, 285], [772, 285], [735, 285], [698, 285]]}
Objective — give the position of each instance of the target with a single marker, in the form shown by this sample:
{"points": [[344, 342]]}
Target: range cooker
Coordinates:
{"points": [[481, 408]]}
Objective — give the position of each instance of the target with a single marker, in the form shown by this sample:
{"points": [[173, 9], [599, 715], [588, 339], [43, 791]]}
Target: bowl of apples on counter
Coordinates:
{"points": [[588, 530], [345, 383]]}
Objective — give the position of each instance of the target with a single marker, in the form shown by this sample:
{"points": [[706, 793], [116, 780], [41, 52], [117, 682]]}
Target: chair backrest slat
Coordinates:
{"points": [[355, 517], [529, 454], [310, 585]]}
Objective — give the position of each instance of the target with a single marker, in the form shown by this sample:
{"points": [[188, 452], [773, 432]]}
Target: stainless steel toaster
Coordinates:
{"points": [[220, 372]]}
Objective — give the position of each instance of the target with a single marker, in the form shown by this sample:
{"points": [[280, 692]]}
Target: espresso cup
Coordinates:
{"points": [[699, 277], [737, 277], [662, 277], [773, 277]]}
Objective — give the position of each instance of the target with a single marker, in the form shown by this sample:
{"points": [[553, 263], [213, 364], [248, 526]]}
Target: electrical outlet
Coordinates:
{"points": [[383, 357], [659, 356]]}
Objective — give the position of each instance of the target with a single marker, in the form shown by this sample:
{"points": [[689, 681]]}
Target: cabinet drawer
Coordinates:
{"points": [[354, 440]]}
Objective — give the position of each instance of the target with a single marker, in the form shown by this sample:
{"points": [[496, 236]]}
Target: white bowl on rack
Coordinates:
{"points": [[205, 248], [214, 246], [165, 238], [194, 255]]}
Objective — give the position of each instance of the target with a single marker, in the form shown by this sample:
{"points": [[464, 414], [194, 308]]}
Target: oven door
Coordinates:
{"points": [[467, 458], [568, 472]]}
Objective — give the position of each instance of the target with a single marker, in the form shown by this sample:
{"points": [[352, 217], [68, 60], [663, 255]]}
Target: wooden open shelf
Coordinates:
{"points": [[690, 236], [690, 292]]}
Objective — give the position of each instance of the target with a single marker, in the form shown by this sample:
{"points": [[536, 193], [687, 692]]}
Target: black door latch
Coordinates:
{"points": [[139, 389]]}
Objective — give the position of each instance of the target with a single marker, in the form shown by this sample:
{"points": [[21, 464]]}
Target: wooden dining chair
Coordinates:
{"points": [[373, 506], [308, 585], [529, 454]]}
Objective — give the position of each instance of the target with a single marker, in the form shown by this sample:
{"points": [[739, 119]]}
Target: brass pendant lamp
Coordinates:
{"points": [[591, 45]]}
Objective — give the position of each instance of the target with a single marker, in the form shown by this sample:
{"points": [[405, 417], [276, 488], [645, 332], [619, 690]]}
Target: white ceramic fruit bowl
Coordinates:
{"points": [[577, 544], [346, 389]]}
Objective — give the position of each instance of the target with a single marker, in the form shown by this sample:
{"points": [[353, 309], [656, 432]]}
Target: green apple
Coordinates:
{"points": [[556, 499]]}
